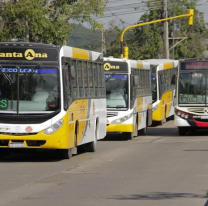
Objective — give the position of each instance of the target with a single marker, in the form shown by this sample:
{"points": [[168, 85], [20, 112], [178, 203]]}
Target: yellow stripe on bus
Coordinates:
{"points": [[168, 65], [139, 64], [80, 53]]}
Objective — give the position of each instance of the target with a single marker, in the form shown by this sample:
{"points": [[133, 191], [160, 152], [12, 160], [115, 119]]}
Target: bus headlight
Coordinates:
{"points": [[122, 119], [155, 108], [54, 127]]}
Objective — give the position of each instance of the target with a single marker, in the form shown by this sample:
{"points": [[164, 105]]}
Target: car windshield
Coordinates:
{"points": [[38, 90], [117, 91], [192, 88], [154, 88]]}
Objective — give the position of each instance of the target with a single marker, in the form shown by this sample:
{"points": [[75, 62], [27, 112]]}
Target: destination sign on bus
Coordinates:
{"points": [[194, 65], [115, 66], [28, 54]]}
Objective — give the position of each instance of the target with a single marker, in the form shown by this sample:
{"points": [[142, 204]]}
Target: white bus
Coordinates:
{"points": [[191, 109], [163, 88], [51, 97], [128, 96]]}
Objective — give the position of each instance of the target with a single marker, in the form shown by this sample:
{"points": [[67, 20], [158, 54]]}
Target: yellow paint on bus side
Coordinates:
{"points": [[164, 107], [79, 110], [80, 53], [168, 65], [139, 104], [139, 119]]}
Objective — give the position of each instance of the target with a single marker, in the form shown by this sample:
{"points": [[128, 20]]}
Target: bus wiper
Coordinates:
{"points": [[109, 77], [6, 76], [34, 70]]}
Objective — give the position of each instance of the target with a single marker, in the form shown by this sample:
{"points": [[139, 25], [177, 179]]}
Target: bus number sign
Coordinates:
{"points": [[197, 65], [3, 104]]}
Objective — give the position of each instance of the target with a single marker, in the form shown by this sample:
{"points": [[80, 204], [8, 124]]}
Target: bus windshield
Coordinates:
{"points": [[36, 90], [192, 88], [117, 91], [154, 88]]}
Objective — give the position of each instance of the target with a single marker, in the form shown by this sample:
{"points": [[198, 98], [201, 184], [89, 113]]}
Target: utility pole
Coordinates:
{"points": [[103, 50], [174, 25], [27, 38], [166, 41]]}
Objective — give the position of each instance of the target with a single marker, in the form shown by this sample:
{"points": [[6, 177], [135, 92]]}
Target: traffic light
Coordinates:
{"points": [[191, 17], [126, 52]]}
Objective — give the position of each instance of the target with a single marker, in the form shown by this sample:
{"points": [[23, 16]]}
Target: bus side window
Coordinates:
{"points": [[85, 77], [74, 81], [90, 78], [95, 78]]}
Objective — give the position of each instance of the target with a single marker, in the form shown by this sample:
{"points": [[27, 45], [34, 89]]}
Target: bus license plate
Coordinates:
{"points": [[17, 145], [204, 117]]}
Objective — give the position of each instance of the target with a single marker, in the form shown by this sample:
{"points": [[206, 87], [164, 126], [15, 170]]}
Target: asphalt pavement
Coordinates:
{"points": [[159, 169]]}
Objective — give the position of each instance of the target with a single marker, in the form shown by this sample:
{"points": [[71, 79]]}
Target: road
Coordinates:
{"points": [[156, 170]]}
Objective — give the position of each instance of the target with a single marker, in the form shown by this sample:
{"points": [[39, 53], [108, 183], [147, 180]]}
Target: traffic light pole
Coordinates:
{"points": [[190, 15]]}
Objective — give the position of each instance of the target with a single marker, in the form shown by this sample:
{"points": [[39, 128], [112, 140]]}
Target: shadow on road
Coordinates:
{"points": [[31, 156], [115, 137], [161, 131], [158, 196]]}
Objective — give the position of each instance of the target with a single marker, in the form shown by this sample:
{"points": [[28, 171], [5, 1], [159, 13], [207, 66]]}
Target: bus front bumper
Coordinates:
{"points": [[120, 128], [57, 140]]}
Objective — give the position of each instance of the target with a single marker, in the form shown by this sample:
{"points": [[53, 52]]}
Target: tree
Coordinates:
{"points": [[146, 42], [49, 21]]}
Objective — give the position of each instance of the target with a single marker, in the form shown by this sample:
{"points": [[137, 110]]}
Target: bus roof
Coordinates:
{"points": [[159, 61]]}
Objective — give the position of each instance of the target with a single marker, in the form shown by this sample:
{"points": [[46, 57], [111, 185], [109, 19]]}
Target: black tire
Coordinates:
{"points": [[136, 131], [182, 131], [161, 122], [92, 146], [144, 130], [81, 149], [129, 135], [65, 153]]}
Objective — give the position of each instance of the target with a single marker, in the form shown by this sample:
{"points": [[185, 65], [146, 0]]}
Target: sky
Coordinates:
{"points": [[124, 10]]}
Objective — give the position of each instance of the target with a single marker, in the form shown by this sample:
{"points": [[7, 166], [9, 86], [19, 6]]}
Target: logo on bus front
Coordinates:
{"points": [[29, 55], [108, 66]]}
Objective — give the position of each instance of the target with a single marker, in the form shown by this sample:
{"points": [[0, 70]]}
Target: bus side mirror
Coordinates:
{"points": [[72, 71], [136, 80], [173, 80]]}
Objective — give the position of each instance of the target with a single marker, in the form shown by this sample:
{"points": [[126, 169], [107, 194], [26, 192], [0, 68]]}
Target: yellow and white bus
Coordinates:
{"points": [[163, 71], [51, 97], [128, 96]]}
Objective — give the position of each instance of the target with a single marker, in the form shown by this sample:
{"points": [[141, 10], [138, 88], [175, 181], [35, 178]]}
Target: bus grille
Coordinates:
{"points": [[197, 110], [112, 114]]}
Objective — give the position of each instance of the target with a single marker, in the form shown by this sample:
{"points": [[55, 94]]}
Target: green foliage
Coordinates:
{"points": [[85, 38], [146, 42], [49, 21]]}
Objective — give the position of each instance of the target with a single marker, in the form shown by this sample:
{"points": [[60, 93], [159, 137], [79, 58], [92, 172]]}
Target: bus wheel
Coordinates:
{"points": [[81, 149], [92, 146], [65, 153], [136, 130], [161, 122], [144, 131], [129, 135], [182, 131]]}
